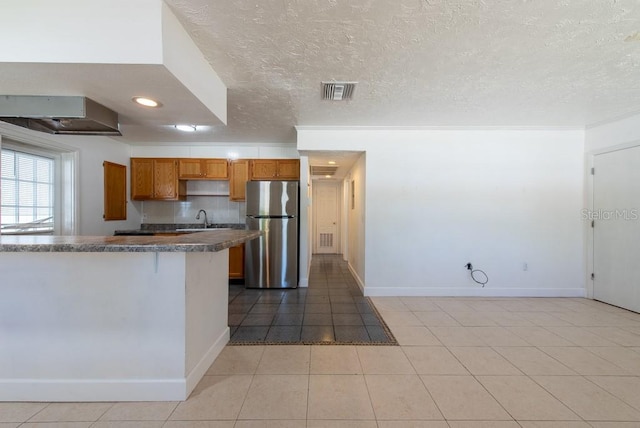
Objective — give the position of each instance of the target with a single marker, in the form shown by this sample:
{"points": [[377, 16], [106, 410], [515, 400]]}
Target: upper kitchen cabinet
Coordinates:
{"points": [[238, 177], [157, 179], [203, 169], [275, 169]]}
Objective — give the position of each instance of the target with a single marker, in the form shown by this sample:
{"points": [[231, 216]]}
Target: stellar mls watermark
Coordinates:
{"points": [[620, 214]]}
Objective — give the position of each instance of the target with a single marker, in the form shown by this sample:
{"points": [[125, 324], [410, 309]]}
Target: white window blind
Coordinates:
{"points": [[27, 193]]}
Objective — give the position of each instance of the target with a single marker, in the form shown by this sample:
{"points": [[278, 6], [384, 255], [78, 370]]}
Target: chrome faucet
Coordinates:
{"points": [[206, 222]]}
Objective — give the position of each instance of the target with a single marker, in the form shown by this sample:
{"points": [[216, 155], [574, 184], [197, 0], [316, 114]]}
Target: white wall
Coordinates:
{"points": [[91, 152], [612, 134], [437, 199], [306, 222], [356, 219]]}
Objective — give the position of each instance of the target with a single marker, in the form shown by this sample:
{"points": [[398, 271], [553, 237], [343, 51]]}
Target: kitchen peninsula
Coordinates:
{"points": [[113, 318]]}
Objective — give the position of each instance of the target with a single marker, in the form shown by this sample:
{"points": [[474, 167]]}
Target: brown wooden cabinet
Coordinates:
{"points": [[238, 177], [275, 169], [236, 262], [203, 169], [156, 179]]}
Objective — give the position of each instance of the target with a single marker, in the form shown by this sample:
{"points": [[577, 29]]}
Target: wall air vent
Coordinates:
{"points": [[323, 170], [338, 91]]}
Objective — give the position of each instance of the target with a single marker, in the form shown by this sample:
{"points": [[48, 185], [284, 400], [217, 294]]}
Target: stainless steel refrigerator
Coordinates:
{"points": [[271, 261]]}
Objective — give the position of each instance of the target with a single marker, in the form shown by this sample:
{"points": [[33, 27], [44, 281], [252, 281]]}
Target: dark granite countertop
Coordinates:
{"points": [[214, 240]]}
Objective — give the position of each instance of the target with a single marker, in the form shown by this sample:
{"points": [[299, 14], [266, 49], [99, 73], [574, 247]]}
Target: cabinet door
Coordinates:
{"points": [[165, 179], [239, 175], [215, 169], [141, 179], [236, 262], [288, 169], [190, 168], [264, 169]]}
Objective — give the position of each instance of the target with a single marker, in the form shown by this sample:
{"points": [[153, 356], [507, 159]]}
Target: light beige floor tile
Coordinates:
{"points": [[626, 358], [8, 425], [580, 336], [420, 304], [215, 398], [463, 398], [413, 424], [400, 318], [141, 411], [55, 425], [398, 397], [341, 424], [286, 359], [335, 360], [498, 336], [199, 424], [384, 360], [553, 424], [583, 361], [539, 336], [533, 361], [71, 412], [457, 336], [237, 360], [417, 336], [276, 397], [128, 424], [483, 305], [473, 319], [436, 319], [483, 424], [626, 388], [339, 397], [618, 335], [509, 319], [483, 361], [435, 360], [586, 399], [270, 424], [526, 400], [389, 304], [544, 319], [453, 305], [614, 424], [19, 412]]}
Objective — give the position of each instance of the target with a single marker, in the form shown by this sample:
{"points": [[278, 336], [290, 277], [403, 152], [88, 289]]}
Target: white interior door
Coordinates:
{"points": [[326, 209], [616, 233]]}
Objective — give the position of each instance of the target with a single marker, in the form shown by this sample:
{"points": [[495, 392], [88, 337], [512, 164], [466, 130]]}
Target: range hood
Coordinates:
{"points": [[67, 115]]}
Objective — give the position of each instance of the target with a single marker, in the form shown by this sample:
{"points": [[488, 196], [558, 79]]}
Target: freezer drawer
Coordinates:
{"points": [[271, 261]]}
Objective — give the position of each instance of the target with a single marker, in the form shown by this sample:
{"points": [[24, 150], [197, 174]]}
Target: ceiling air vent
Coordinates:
{"points": [[338, 91], [323, 170]]}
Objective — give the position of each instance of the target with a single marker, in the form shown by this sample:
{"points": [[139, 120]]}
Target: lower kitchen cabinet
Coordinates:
{"points": [[236, 262]]}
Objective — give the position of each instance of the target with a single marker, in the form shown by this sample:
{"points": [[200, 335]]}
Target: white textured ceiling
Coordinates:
{"points": [[541, 63], [420, 62]]}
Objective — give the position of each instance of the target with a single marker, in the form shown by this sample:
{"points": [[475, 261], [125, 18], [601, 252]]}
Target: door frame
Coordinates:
{"points": [[589, 250], [339, 195]]}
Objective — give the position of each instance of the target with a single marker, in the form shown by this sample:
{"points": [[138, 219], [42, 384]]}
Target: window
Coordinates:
{"points": [[27, 192]]}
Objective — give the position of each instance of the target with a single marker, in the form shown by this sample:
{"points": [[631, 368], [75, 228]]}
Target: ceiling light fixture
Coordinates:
{"points": [[147, 102], [331, 162], [186, 128]]}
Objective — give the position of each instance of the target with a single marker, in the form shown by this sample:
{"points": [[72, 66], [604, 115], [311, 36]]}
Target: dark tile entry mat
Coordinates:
{"points": [[331, 311]]}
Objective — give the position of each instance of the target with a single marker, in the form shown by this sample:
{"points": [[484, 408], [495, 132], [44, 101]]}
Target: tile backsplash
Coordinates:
{"points": [[211, 196]]}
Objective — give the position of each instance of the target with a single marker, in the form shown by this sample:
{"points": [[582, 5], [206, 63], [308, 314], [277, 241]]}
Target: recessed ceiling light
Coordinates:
{"points": [[186, 128], [327, 176], [331, 162], [147, 102]]}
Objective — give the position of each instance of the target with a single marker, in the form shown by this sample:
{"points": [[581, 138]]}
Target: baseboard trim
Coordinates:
{"points": [[473, 292], [359, 280], [65, 390], [205, 362]]}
